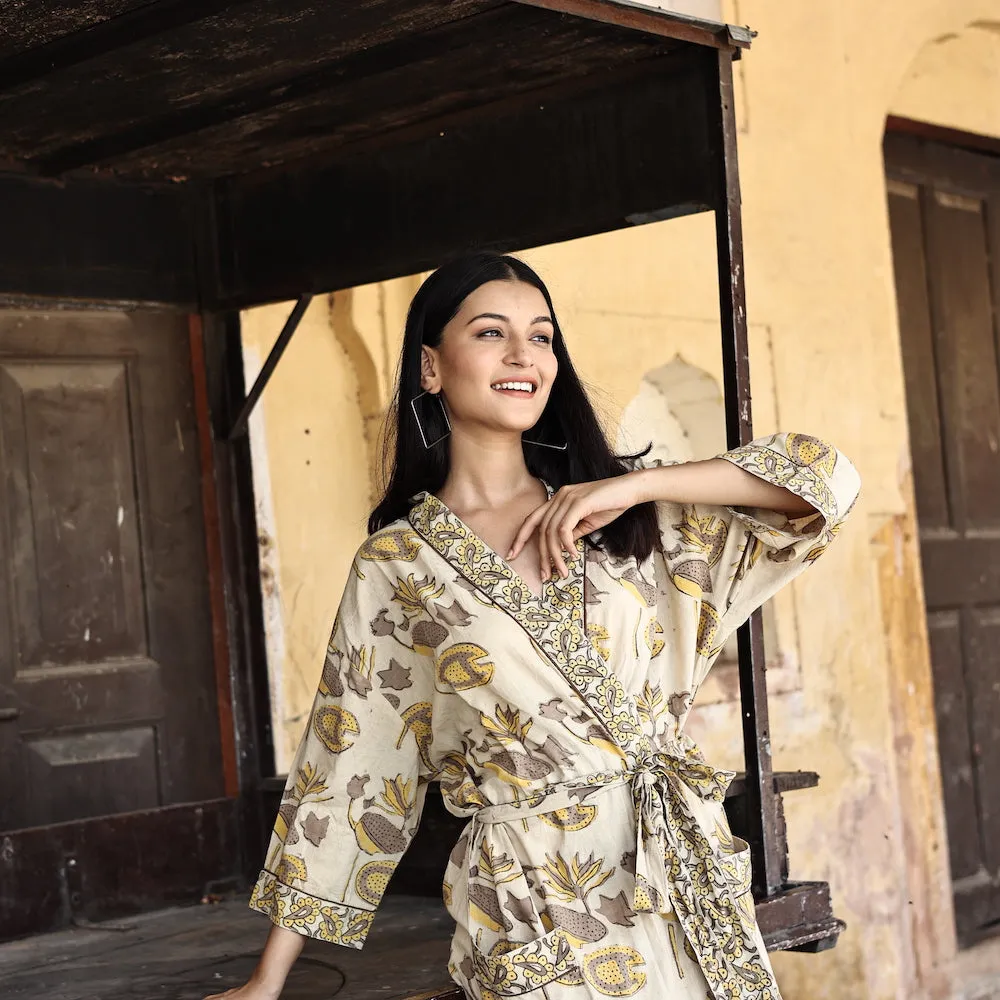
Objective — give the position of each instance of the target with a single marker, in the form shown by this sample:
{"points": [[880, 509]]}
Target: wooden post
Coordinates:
{"points": [[761, 797]]}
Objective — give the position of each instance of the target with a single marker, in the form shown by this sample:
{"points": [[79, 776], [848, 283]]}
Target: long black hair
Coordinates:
{"points": [[568, 415]]}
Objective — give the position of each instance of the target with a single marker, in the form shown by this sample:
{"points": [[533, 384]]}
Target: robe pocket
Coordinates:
{"points": [[511, 968], [736, 866]]}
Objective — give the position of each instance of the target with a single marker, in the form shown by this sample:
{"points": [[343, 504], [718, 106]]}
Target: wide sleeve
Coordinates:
{"points": [[732, 559], [356, 787]]}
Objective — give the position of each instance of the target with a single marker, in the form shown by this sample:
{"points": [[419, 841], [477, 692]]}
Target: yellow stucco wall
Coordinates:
{"points": [[813, 95], [311, 482]]}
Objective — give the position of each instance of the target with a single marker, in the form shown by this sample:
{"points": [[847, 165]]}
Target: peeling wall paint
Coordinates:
{"points": [[267, 530]]}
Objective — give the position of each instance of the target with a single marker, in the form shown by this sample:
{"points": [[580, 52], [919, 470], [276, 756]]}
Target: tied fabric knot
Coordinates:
{"points": [[651, 882], [677, 870], [656, 777]]}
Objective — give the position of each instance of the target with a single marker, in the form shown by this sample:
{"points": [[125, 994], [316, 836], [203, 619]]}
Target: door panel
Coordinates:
{"points": [[944, 205], [93, 773], [106, 669], [918, 349], [71, 494], [961, 303], [952, 713], [983, 654]]}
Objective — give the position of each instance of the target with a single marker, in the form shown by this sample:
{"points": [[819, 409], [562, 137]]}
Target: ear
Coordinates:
{"points": [[429, 377]]}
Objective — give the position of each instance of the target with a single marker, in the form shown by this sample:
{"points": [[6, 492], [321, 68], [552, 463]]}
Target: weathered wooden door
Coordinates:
{"points": [[945, 213], [107, 683]]}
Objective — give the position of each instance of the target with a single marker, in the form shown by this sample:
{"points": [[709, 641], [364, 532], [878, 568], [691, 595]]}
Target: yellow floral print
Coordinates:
{"points": [[597, 860]]}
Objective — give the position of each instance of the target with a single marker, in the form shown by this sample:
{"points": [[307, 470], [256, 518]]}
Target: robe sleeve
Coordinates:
{"points": [[357, 785], [732, 559]]}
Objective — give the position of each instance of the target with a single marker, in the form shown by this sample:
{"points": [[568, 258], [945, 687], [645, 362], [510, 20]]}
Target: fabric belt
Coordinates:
{"points": [[676, 867]]}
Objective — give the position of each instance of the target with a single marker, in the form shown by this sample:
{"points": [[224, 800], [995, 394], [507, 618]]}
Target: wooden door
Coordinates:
{"points": [[107, 682], [945, 215]]}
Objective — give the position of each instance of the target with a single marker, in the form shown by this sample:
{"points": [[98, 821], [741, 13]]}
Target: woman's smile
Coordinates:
{"points": [[517, 388]]}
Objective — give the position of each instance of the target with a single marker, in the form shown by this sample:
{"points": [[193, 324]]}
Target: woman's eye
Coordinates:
{"points": [[543, 338], [489, 333]]}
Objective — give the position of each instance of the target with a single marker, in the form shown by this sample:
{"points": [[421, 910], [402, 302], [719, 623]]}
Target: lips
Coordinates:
{"points": [[515, 386]]}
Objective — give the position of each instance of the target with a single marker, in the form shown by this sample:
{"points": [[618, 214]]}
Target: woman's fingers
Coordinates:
{"points": [[574, 511], [556, 524], [547, 556], [527, 527], [566, 533], [558, 533]]}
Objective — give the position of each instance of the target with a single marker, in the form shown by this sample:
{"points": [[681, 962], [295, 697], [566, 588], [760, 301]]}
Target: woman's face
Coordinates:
{"points": [[495, 364]]}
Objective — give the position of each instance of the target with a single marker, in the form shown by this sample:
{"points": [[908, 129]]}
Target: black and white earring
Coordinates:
{"points": [[545, 444], [428, 444]]}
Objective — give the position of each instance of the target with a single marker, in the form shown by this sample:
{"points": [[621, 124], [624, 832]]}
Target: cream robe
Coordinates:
{"points": [[597, 861]]}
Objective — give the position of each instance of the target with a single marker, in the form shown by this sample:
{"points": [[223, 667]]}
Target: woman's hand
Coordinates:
{"points": [[572, 512], [577, 510]]}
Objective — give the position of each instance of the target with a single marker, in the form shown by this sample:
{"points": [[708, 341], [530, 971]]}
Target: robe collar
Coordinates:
{"points": [[555, 621]]}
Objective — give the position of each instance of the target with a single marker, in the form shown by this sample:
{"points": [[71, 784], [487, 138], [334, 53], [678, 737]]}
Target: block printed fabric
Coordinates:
{"points": [[597, 860]]}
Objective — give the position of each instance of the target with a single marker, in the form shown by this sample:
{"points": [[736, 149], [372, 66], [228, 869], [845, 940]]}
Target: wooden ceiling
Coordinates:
{"points": [[199, 89], [217, 154]]}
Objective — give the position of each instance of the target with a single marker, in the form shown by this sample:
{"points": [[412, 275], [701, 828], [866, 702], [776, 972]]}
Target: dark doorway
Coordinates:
{"points": [[944, 208], [107, 680]]}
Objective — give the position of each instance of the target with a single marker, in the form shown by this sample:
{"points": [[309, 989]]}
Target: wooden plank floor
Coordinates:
{"points": [[186, 953]]}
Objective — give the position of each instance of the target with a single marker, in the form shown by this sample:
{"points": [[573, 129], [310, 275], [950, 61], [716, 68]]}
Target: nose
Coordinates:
{"points": [[517, 353]]}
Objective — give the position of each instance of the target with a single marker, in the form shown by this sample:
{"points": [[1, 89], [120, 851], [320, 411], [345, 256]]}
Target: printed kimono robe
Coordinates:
{"points": [[597, 861]]}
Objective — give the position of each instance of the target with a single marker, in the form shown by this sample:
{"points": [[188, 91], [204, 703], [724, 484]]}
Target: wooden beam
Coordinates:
{"points": [[89, 240], [412, 80], [147, 21], [975, 141], [248, 670], [365, 117], [342, 73], [669, 24], [799, 917], [432, 127], [592, 162], [284, 338], [214, 559], [237, 49]]}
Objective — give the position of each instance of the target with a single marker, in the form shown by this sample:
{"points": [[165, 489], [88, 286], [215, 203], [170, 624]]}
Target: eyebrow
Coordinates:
{"points": [[506, 319]]}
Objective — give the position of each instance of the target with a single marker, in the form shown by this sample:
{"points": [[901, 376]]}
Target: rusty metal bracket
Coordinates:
{"points": [[291, 324]]}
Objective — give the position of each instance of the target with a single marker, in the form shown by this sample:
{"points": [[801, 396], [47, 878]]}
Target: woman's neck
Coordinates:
{"points": [[486, 473]]}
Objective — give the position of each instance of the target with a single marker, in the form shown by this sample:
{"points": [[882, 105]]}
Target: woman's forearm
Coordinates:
{"points": [[718, 482]]}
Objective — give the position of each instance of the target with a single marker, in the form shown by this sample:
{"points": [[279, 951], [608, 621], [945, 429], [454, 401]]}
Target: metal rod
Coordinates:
{"points": [[762, 813], [240, 424]]}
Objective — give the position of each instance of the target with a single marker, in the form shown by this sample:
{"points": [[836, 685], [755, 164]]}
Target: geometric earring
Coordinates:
{"points": [[420, 427], [546, 444]]}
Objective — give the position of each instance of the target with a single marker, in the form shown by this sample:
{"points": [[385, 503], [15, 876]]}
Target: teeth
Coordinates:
{"points": [[523, 386]]}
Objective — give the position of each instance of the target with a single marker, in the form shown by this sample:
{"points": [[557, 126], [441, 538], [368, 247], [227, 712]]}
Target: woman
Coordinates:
{"points": [[528, 624]]}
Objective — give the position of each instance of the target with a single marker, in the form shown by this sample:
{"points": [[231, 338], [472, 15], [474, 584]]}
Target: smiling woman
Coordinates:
{"points": [[546, 689], [477, 325]]}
